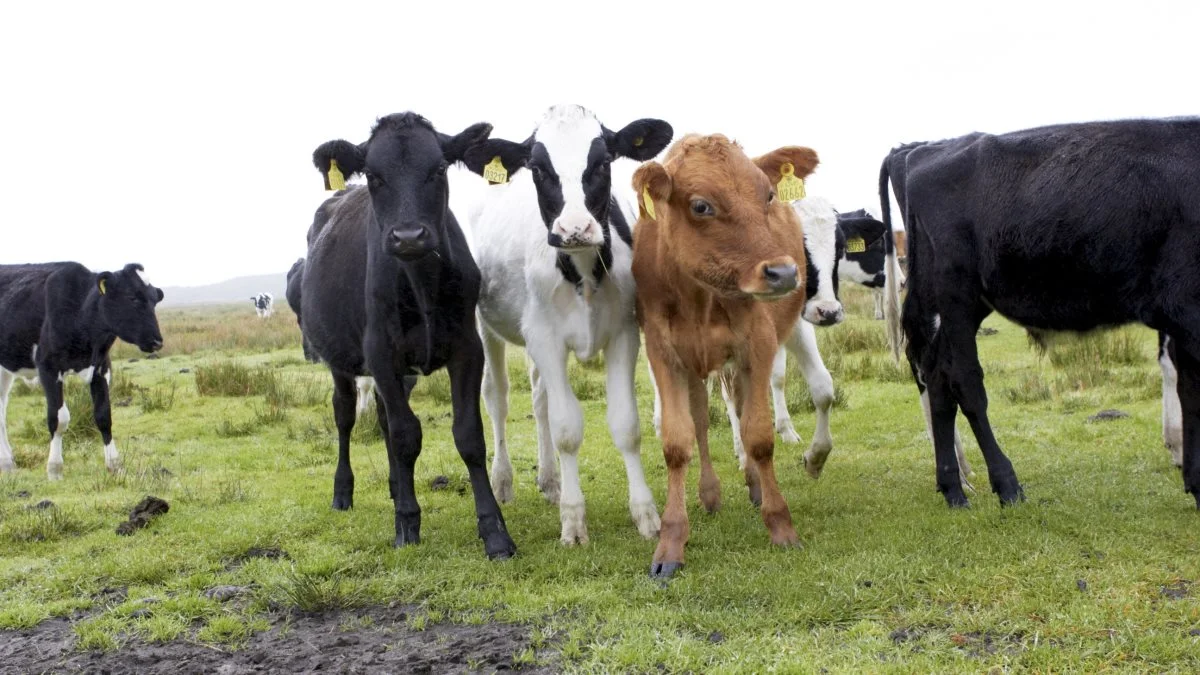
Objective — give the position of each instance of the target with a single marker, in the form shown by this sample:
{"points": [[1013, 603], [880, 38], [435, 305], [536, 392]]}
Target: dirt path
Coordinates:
{"points": [[304, 644]]}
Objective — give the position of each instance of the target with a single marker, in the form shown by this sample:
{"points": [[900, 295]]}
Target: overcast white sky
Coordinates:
{"points": [[180, 136]]}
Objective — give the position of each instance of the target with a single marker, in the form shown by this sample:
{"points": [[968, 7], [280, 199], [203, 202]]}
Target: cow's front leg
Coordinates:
{"points": [[566, 432], [102, 412], [495, 397], [678, 436], [57, 420], [802, 343], [7, 464], [404, 430], [621, 360], [466, 373], [759, 439]]}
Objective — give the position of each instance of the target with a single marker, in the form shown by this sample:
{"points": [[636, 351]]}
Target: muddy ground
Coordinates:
{"points": [[295, 643]]}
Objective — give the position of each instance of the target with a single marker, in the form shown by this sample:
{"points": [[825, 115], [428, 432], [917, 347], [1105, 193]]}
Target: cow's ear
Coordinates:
{"points": [[454, 148], [775, 163], [497, 159], [339, 160], [653, 185], [868, 229], [104, 282], [640, 139]]}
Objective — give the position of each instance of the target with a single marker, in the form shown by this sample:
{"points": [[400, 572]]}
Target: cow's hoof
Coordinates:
{"points": [[8, 466], [955, 498], [1196, 494], [549, 486], [54, 471], [664, 570], [1011, 496], [502, 488], [788, 435], [574, 525], [499, 546], [343, 502], [645, 517], [408, 531], [814, 460]]}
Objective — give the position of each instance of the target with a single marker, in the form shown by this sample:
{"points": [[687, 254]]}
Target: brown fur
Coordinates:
{"points": [[901, 240], [701, 306]]}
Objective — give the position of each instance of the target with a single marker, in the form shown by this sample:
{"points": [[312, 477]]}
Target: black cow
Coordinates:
{"points": [[59, 318], [389, 289], [1071, 227]]}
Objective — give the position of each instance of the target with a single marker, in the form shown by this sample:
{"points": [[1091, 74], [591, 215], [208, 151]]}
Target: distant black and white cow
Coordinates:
{"points": [[264, 304], [389, 289], [61, 318], [554, 246], [1070, 227], [863, 261]]}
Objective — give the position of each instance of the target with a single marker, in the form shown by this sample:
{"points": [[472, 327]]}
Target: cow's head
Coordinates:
{"points": [[721, 218], [863, 261], [405, 162], [568, 159], [127, 303], [822, 249]]}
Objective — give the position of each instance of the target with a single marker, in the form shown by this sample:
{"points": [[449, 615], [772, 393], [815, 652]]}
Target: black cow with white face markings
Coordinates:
{"points": [[61, 318], [553, 244]]}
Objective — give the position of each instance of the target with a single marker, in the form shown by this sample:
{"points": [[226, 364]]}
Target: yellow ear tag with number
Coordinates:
{"points": [[495, 172], [103, 290], [790, 188], [648, 202], [333, 178], [637, 142], [856, 245]]}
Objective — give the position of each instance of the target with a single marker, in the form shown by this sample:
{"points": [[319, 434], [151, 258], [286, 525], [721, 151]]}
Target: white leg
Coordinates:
{"points": [[112, 459], [621, 362], [54, 465], [735, 426], [366, 392], [547, 463], [802, 343], [783, 421], [1172, 412], [657, 403], [7, 464], [878, 293], [964, 469], [566, 432], [495, 399]]}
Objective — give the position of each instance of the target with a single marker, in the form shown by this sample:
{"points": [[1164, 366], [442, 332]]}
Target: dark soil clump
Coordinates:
{"points": [[141, 515]]}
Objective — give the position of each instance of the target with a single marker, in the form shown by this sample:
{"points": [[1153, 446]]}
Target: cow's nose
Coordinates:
{"points": [[411, 242], [156, 345], [828, 317], [780, 278]]}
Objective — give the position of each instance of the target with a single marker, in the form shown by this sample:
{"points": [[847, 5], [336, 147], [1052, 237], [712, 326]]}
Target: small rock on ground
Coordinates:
{"points": [[1110, 414]]}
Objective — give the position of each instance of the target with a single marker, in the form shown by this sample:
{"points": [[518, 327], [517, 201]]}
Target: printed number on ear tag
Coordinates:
{"points": [[334, 180], [495, 172], [790, 188], [648, 201], [855, 245]]}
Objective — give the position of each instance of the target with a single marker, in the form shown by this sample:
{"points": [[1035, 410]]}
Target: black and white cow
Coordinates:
{"points": [[61, 318], [1071, 227], [554, 246], [264, 304], [863, 260], [389, 290]]}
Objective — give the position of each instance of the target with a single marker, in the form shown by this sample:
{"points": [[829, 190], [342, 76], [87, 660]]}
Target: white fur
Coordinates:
{"points": [[6, 454], [819, 221], [366, 393], [112, 459], [1172, 411], [525, 301], [54, 463]]}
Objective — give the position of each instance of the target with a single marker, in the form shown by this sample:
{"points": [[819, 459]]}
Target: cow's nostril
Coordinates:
{"points": [[780, 276]]}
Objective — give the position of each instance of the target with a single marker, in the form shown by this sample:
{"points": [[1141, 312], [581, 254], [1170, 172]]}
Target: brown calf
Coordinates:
{"points": [[719, 266], [901, 240]]}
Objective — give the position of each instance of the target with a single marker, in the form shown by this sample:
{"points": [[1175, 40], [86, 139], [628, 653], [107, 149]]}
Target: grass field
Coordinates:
{"points": [[1095, 572]]}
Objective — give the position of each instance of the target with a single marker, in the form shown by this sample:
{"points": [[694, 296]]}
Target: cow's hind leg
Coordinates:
{"points": [[803, 344], [710, 485], [783, 421], [495, 397], [102, 413], [547, 465], [6, 453], [57, 419], [344, 399]]}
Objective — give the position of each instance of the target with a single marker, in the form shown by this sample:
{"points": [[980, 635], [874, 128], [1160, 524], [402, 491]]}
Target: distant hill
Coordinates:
{"points": [[238, 289]]}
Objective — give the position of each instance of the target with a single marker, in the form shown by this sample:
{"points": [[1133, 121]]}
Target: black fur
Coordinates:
{"points": [[1072, 227], [376, 303], [859, 223], [59, 307]]}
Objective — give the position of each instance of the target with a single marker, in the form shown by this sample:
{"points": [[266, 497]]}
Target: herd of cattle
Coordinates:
{"points": [[717, 259]]}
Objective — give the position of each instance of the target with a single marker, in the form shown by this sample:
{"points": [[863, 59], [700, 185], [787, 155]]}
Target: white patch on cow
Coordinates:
{"points": [[6, 454], [112, 459], [366, 393], [86, 374], [937, 323], [54, 464], [850, 270], [1172, 411], [819, 222], [29, 375], [61, 376], [142, 276], [33, 356]]}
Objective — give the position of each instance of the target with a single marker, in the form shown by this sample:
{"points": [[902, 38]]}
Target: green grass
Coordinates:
{"points": [[889, 580]]}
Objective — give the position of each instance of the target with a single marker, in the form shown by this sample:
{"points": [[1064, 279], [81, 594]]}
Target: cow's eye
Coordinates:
{"points": [[702, 209], [770, 196]]}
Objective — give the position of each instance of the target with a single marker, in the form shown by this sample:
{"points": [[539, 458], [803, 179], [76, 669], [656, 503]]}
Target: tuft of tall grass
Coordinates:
{"points": [[309, 592], [32, 525], [231, 378]]}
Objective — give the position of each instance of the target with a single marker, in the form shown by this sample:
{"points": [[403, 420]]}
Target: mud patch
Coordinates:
{"points": [[146, 510], [364, 641]]}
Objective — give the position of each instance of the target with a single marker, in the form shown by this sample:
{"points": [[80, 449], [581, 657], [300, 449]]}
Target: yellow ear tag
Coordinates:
{"points": [[334, 180], [856, 245], [495, 172], [648, 202], [637, 142], [790, 188], [103, 290]]}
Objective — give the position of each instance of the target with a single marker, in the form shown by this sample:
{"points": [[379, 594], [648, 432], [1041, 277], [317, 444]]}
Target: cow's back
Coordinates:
{"points": [[23, 309], [333, 284], [1072, 217]]}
